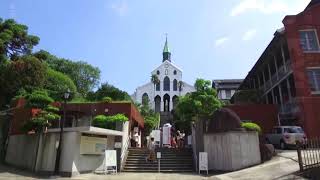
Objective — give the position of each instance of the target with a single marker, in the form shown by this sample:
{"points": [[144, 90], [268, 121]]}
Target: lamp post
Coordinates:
{"points": [[62, 120]]}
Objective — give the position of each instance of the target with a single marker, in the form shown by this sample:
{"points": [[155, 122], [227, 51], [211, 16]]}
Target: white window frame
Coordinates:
{"points": [[317, 40], [317, 85]]}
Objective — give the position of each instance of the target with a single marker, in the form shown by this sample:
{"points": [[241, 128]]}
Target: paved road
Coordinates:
{"points": [[280, 167]]}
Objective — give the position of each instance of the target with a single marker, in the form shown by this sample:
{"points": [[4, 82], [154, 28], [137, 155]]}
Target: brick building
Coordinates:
{"points": [[288, 71]]}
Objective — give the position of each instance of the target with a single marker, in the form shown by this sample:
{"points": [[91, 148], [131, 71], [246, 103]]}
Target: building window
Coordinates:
{"points": [[158, 72], [158, 86], [314, 79], [166, 72], [166, 84], [175, 85], [309, 41], [174, 72], [228, 94]]}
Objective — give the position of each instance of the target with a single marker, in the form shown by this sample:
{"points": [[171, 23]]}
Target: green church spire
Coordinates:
{"points": [[166, 52]]}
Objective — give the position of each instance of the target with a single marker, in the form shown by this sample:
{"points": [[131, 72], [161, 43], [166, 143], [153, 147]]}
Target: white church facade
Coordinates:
{"points": [[163, 95]]}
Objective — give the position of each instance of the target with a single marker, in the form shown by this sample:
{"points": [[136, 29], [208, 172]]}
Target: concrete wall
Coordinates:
{"points": [[232, 151], [22, 150]]}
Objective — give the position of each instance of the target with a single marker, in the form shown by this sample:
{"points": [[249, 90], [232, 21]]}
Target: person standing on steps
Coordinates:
{"points": [[152, 154]]}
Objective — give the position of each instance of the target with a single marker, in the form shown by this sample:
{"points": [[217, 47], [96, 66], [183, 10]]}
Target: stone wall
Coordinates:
{"points": [[232, 151]]}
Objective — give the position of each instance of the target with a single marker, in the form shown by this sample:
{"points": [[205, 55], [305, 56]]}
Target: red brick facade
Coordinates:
{"points": [[309, 115]]}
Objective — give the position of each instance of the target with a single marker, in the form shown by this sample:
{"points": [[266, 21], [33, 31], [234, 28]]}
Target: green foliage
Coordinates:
{"points": [[58, 83], [247, 96], [107, 99], [38, 99], [26, 72], [155, 79], [199, 104], [151, 119], [251, 127], [42, 120], [85, 76], [15, 40], [107, 90], [108, 122]]}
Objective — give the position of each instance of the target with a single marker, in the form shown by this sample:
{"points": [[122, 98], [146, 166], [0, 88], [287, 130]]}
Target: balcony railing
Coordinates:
{"points": [[289, 108], [275, 78]]}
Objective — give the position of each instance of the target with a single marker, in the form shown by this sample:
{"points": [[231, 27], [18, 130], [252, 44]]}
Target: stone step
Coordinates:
{"points": [[156, 168], [164, 171], [162, 159]]}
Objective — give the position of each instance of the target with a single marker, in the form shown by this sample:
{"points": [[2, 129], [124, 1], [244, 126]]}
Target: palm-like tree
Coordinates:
{"points": [[180, 84], [155, 80]]}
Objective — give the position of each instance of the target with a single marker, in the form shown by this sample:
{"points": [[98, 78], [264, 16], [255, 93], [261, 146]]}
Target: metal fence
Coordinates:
{"points": [[309, 154]]}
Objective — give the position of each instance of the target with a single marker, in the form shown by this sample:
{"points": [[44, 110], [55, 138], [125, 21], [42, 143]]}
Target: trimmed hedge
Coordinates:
{"points": [[251, 127]]}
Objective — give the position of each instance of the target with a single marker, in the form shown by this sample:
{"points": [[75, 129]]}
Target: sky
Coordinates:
{"points": [[208, 39]]}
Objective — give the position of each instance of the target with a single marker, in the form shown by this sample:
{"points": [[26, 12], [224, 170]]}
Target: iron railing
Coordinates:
{"points": [[309, 154]]}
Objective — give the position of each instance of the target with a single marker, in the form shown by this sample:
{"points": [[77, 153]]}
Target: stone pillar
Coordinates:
{"points": [[170, 104]]}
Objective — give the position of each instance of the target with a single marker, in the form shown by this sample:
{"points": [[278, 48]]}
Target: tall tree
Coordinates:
{"points": [[85, 76], [155, 80], [199, 104], [14, 39], [26, 72]]}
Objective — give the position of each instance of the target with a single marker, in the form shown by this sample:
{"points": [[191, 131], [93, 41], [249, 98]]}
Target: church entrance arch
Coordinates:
{"points": [[157, 103], [174, 101], [166, 103]]}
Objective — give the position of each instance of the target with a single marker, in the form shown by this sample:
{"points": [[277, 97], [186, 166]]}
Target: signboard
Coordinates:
{"points": [[156, 135], [110, 158], [203, 161], [158, 155], [189, 140], [92, 145], [166, 135]]}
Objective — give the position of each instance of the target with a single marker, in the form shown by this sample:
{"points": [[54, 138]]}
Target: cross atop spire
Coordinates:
{"points": [[166, 51]]}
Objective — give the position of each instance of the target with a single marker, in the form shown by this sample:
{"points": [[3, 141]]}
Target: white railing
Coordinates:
{"points": [[124, 151]]}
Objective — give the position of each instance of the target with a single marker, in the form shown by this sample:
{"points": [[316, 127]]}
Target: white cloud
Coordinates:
{"points": [[249, 34], [121, 7], [269, 6], [221, 41]]}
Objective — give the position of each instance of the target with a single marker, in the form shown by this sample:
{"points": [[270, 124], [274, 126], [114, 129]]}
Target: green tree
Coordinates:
{"points": [[47, 114], [151, 119], [200, 104], [27, 73], [107, 90], [109, 122], [155, 80], [58, 83], [85, 76], [14, 39]]}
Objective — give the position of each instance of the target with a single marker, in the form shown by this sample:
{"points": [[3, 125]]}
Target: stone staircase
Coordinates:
{"points": [[172, 160]]}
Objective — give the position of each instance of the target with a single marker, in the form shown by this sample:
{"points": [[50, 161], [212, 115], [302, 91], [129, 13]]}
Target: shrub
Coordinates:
{"points": [[108, 122], [107, 99], [251, 127]]}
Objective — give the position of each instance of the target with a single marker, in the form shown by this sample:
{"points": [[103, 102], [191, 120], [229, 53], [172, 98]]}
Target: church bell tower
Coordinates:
{"points": [[166, 54]]}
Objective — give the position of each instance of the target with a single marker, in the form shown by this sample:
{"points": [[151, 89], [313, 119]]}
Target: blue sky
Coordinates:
{"points": [[209, 39]]}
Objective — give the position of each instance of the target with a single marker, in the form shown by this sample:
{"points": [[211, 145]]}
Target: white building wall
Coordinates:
{"points": [[165, 69]]}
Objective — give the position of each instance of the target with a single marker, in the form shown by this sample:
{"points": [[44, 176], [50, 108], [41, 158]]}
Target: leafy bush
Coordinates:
{"points": [[251, 127], [107, 99], [108, 122]]}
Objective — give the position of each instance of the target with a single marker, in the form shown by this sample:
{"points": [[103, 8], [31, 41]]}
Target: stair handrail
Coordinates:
{"points": [[124, 151]]}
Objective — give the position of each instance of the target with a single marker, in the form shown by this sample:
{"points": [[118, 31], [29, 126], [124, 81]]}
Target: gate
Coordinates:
{"points": [[309, 154]]}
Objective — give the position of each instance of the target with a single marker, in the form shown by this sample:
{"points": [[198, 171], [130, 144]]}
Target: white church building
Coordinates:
{"points": [[163, 95]]}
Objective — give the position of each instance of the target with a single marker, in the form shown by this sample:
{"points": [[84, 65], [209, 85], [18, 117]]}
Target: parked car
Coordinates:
{"points": [[285, 136]]}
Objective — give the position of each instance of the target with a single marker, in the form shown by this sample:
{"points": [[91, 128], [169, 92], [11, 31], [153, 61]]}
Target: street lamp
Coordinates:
{"points": [[66, 96]]}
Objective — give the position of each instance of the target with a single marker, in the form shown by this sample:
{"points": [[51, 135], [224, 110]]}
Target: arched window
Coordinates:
{"points": [[175, 72], [158, 86], [175, 85], [158, 72], [166, 84], [157, 103], [175, 101], [145, 99]]}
